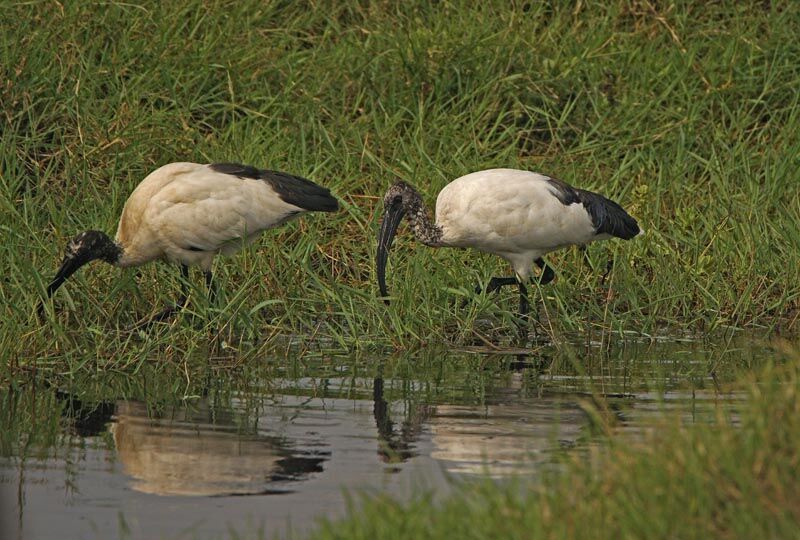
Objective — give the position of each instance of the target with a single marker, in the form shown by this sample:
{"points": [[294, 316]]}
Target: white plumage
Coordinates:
{"points": [[517, 215], [187, 213], [511, 213]]}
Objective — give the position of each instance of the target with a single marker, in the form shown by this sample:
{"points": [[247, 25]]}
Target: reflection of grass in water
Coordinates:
{"points": [[40, 406], [687, 116], [660, 469], [736, 479]]}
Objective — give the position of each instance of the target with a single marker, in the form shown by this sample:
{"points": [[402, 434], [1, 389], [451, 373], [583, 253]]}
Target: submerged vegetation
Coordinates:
{"points": [[687, 114]]}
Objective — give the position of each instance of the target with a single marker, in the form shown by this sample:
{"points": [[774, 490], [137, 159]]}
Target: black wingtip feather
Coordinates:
{"points": [[301, 192], [607, 216], [295, 190]]}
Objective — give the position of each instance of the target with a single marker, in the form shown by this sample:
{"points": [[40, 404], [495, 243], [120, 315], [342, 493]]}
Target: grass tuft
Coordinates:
{"points": [[686, 113]]}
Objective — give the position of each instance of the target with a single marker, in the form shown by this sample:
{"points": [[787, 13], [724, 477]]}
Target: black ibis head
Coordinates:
{"points": [[84, 248], [396, 203]]}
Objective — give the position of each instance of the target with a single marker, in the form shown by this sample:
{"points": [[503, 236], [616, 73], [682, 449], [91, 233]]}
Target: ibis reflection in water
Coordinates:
{"points": [[201, 451], [517, 215], [506, 434], [196, 449], [188, 213]]}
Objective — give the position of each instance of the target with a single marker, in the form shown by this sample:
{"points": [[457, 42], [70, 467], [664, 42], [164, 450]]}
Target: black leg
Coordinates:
{"points": [[185, 282], [169, 311], [165, 313], [494, 286], [547, 274], [524, 307], [609, 266], [496, 283]]}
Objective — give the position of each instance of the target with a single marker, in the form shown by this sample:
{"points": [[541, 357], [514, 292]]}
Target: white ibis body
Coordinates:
{"points": [[517, 215], [188, 213]]}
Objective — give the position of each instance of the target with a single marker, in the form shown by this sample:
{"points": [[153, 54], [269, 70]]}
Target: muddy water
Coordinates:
{"points": [[280, 457]]}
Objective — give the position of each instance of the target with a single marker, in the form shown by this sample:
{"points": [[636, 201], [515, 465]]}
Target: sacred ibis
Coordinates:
{"points": [[187, 213], [517, 215]]}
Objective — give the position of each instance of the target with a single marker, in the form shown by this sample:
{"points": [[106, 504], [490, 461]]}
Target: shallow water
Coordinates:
{"points": [[286, 450]]}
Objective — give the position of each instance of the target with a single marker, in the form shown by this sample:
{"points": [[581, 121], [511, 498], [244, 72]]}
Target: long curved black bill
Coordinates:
{"points": [[391, 219], [69, 266]]}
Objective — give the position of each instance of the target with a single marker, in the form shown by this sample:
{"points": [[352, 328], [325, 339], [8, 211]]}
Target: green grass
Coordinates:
{"points": [[737, 479], [686, 113]]}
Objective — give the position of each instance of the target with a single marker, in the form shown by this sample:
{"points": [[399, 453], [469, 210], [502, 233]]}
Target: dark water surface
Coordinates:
{"points": [[284, 451]]}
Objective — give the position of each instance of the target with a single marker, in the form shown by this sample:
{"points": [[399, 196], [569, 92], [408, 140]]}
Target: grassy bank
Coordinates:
{"points": [[737, 479], [686, 113]]}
